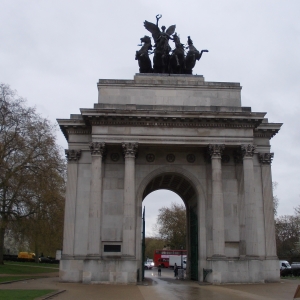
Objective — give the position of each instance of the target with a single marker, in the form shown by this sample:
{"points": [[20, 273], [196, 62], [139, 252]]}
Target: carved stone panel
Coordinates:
{"points": [[215, 150], [247, 150], [265, 158], [225, 158], [170, 157], [191, 158], [97, 148], [115, 157], [73, 155], [130, 149], [150, 157]]}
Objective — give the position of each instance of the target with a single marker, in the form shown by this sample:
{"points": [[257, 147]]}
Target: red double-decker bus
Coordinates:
{"points": [[161, 257]]}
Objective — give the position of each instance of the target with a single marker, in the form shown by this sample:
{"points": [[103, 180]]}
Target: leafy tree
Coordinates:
{"points": [[29, 160], [152, 244], [171, 225], [43, 230]]}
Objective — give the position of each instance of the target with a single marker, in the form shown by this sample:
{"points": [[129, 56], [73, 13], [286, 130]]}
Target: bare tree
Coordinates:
{"points": [[287, 236], [275, 198], [28, 157]]}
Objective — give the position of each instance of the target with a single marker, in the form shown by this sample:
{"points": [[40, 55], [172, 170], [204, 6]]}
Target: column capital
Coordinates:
{"points": [[215, 150], [130, 149], [72, 154], [97, 148], [265, 158], [247, 150]]}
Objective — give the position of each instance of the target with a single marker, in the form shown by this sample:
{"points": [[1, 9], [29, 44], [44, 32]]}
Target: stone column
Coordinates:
{"points": [[217, 201], [238, 159], [94, 238], [265, 160], [250, 201], [129, 219], [70, 206]]}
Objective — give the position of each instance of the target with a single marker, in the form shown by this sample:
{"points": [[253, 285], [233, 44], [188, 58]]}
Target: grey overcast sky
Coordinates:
{"points": [[54, 51]]}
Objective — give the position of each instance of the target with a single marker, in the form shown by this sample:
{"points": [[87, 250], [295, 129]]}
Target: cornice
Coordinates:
{"points": [[173, 119], [168, 81], [267, 130], [164, 118]]}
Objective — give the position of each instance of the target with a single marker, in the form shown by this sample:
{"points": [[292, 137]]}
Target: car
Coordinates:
{"points": [[48, 260], [285, 268], [149, 260], [147, 265]]}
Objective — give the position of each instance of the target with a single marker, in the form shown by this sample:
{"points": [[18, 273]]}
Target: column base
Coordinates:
{"points": [[242, 271], [93, 271]]}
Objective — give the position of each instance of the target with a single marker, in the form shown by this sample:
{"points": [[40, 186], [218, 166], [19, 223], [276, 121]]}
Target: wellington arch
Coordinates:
{"points": [[175, 132]]}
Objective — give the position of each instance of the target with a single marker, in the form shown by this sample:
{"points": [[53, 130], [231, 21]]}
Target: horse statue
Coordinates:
{"points": [[191, 57], [162, 47], [177, 58], [142, 56]]}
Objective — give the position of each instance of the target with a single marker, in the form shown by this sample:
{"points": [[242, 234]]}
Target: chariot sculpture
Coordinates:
{"points": [[166, 59]]}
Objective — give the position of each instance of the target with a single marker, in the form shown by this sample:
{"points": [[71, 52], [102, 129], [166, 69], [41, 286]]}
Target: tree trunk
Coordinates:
{"points": [[2, 232]]}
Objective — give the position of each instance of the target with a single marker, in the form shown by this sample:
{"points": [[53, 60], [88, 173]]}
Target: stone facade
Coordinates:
{"points": [[178, 133]]}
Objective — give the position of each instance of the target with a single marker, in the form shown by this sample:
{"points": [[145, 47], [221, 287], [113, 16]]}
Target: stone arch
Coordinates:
{"points": [[191, 192], [188, 176]]}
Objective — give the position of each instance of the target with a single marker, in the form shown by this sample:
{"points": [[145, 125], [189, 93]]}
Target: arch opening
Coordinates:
{"points": [[173, 182], [184, 188]]}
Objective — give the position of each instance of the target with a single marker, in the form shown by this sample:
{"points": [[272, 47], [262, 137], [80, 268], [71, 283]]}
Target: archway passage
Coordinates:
{"points": [[173, 182], [180, 185]]}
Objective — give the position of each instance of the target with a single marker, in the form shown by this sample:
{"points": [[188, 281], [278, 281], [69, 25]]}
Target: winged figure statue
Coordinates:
{"points": [[162, 47], [165, 60]]}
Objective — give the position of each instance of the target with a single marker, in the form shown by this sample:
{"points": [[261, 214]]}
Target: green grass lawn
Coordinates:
{"points": [[27, 268], [23, 294], [31, 264]]}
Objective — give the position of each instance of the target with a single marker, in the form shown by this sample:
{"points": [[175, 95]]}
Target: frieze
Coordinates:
{"points": [[225, 158], [78, 131], [238, 156], [192, 140], [247, 150], [206, 156], [191, 158], [115, 157], [170, 157], [264, 134], [170, 124], [215, 150], [150, 157], [72, 155], [265, 158], [130, 149]]}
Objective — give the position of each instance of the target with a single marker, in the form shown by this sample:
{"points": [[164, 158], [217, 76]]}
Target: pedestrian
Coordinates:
{"points": [[175, 271], [159, 270]]}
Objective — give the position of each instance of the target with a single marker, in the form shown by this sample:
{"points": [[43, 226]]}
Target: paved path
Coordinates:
{"points": [[161, 288]]}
